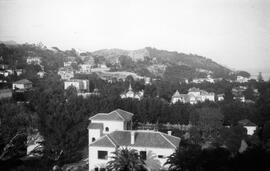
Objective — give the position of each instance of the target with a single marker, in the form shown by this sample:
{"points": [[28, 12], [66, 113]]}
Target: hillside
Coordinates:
{"points": [[150, 62], [162, 63]]}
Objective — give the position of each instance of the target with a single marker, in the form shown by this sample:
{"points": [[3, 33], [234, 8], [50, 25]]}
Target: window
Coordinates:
{"points": [[102, 155], [101, 169], [161, 156], [93, 139], [107, 129], [143, 155]]}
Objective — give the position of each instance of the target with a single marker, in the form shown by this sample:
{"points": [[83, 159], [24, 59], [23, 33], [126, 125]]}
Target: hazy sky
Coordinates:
{"points": [[235, 33]]}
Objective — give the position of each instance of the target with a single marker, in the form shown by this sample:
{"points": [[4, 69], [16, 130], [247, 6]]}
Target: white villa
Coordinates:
{"points": [[66, 73], [241, 79], [110, 131], [220, 97], [23, 84], [96, 92], [250, 126], [85, 68], [33, 60], [131, 94], [194, 96], [201, 80], [79, 84]]}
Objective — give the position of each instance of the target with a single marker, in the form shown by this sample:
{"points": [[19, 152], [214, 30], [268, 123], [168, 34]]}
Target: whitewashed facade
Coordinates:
{"points": [[110, 131]]}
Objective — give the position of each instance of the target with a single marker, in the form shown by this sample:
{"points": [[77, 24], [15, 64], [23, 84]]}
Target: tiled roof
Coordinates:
{"points": [[193, 89], [176, 94], [142, 139], [95, 126], [116, 115], [104, 141], [246, 122], [23, 81]]}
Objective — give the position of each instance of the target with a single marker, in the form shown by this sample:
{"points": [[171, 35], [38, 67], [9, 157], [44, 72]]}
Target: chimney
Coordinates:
{"points": [[132, 140], [169, 132]]}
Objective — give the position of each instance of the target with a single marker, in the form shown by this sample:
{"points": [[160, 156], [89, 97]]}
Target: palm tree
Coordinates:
{"points": [[126, 160], [185, 158]]}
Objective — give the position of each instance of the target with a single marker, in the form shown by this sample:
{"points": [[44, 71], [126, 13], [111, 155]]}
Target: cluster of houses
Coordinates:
{"points": [[238, 94], [6, 70]]}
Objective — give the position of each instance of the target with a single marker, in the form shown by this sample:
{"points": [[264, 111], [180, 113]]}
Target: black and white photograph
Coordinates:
{"points": [[135, 85]]}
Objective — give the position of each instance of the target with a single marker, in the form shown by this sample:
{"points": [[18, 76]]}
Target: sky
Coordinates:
{"points": [[235, 33]]}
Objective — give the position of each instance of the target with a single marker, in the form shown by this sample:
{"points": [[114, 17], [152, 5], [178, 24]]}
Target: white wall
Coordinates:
{"points": [[21, 86], [93, 133], [76, 84], [93, 157], [112, 125], [18, 86], [250, 129], [151, 154]]}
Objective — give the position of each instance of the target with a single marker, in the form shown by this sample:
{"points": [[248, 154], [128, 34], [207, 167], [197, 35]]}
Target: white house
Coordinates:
{"points": [[194, 96], [85, 68], [41, 74], [88, 94], [33, 60], [241, 79], [250, 126], [23, 84], [109, 132], [66, 73], [220, 97], [131, 94], [80, 85]]}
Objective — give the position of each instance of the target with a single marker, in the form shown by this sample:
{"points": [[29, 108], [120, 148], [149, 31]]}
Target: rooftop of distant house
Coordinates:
{"points": [[116, 115], [246, 122], [23, 81]]}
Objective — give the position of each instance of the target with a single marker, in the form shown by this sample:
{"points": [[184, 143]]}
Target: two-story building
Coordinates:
{"points": [[85, 68], [110, 131], [33, 60], [23, 84], [193, 96], [66, 73], [79, 84]]}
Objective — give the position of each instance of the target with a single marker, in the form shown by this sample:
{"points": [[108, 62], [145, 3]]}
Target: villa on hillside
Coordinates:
{"points": [[95, 92], [220, 97], [85, 68], [241, 79], [238, 93], [108, 132], [79, 84], [33, 60], [201, 80], [250, 126], [66, 73], [23, 84], [131, 94], [194, 96]]}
